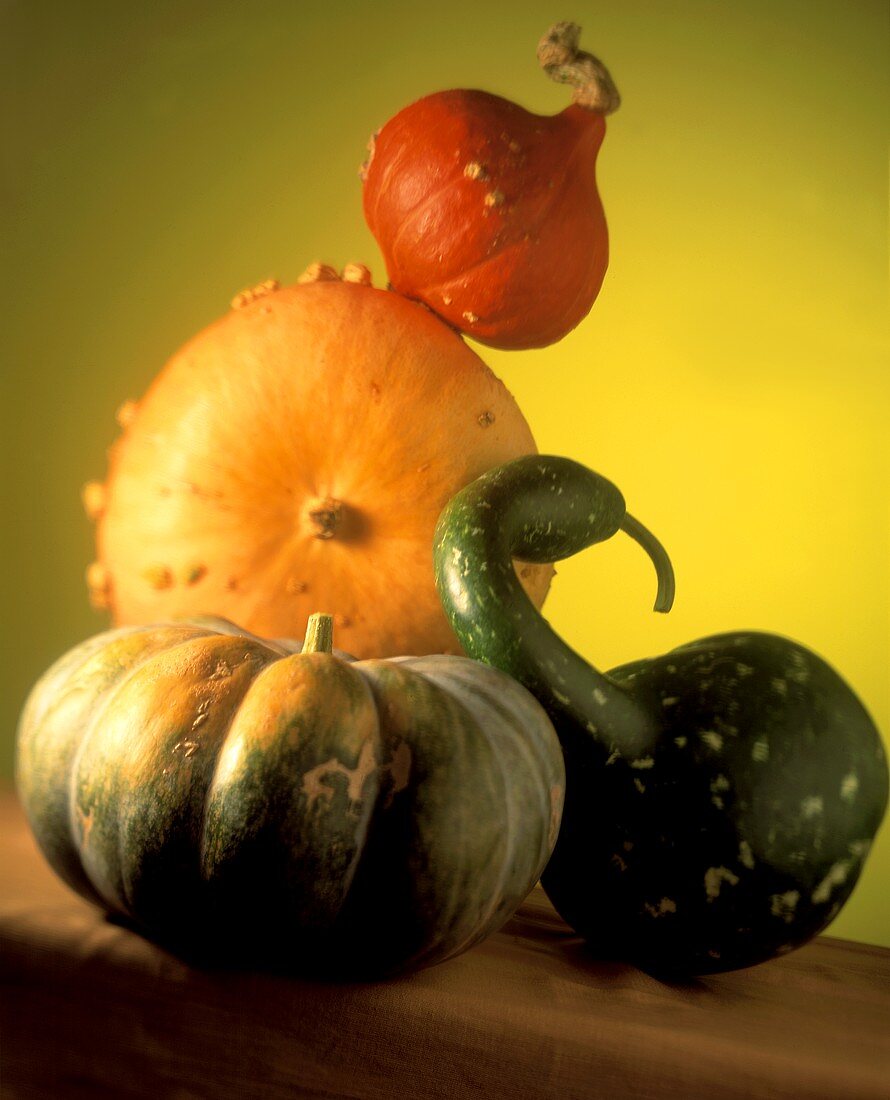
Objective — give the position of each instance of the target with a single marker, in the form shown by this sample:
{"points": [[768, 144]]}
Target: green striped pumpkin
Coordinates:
{"points": [[248, 801]]}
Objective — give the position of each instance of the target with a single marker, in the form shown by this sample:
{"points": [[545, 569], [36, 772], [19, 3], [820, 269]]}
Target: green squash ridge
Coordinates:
{"points": [[505, 897], [122, 900], [51, 816], [463, 719]]}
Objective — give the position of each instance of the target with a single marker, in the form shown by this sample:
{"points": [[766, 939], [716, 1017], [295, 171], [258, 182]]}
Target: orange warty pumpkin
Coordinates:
{"points": [[490, 214], [295, 456]]}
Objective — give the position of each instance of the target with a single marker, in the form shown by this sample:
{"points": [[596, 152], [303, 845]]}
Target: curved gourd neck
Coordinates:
{"points": [[539, 509]]}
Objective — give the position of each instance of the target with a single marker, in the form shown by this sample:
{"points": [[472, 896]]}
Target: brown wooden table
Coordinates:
{"points": [[92, 1010]]}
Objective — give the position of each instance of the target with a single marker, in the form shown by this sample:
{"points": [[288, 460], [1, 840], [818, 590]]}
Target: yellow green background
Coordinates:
{"points": [[731, 379]]}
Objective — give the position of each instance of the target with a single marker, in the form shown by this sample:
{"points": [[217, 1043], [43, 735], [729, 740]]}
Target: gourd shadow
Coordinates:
{"points": [[545, 934], [547, 938], [602, 964]]}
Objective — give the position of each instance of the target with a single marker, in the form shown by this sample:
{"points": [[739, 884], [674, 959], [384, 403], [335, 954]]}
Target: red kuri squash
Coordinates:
{"points": [[490, 214]]}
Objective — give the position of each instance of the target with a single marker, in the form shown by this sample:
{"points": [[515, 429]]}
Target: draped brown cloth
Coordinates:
{"points": [[92, 1010]]}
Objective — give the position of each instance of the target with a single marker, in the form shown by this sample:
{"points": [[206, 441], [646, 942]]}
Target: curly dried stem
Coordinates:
{"points": [[562, 61]]}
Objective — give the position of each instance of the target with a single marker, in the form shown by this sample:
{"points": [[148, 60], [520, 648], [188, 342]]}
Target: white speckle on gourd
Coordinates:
{"points": [[712, 739], [746, 855], [760, 750], [670, 700], [599, 697], [458, 591], [720, 783], [714, 879], [837, 876], [643, 763], [784, 905], [812, 806], [800, 673], [666, 905], [849, 786]]}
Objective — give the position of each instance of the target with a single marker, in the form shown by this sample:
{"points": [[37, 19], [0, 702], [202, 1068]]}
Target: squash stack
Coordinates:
{"points": [[279, 803]]}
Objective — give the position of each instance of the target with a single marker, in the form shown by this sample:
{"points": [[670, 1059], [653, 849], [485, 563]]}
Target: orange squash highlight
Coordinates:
{"points": [[294, 457]]}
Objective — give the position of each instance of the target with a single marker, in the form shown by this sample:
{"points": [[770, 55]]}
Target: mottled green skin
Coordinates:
{"points": [[720, 799], [248, 804]]}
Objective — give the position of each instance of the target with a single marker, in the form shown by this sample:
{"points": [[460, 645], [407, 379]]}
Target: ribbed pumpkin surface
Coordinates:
{"points": [[237, 799]]}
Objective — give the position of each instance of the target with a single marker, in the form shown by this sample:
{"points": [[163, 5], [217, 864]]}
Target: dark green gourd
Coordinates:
{"points": [[720, 799]]}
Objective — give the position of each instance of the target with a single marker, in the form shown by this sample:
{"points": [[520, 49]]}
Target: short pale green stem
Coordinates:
{"points": [[319, 634]]}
